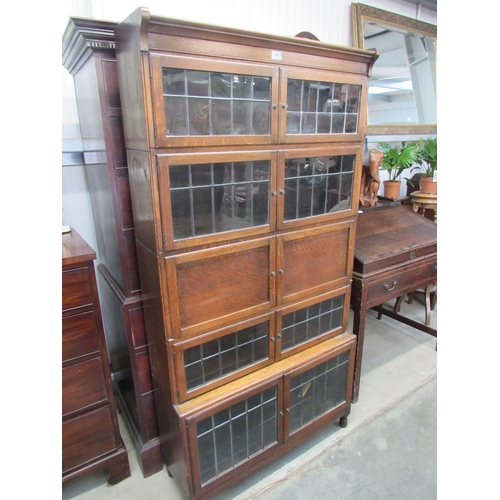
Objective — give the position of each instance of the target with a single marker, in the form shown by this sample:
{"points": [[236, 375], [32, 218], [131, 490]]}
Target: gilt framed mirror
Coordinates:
{"points": [[402, 91]]}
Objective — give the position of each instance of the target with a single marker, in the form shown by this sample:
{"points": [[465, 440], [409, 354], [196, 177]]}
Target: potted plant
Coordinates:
{"points": [[426, 163], [396, 160]]}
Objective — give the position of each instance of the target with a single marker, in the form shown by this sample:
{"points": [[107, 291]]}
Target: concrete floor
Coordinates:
{"points": [[388, 449]]}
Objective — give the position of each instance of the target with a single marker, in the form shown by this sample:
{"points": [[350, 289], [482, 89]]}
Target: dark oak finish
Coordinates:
{"points": [[395, 254], [244, 220], [91, 438], [89, 55]]}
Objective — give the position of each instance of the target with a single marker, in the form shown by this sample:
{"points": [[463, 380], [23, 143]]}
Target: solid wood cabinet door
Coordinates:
{"points": [[215, 287], [314, 261], [216, 197], [200, 102], [322, 106]]}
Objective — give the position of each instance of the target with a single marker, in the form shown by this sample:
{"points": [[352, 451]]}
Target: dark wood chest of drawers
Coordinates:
{"points": [[395, 253], [91, 438]]}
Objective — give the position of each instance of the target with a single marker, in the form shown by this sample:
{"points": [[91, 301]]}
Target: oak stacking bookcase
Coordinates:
{"points": [[244, 155]]}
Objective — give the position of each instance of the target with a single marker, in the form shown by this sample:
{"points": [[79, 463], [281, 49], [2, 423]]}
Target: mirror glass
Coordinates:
{"points": [[402, 92]]}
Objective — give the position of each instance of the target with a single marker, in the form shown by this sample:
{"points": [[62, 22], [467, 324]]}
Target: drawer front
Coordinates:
{"points": [[87, 437], [83, 384], [76, 288], [79, 336], [396, 283]]}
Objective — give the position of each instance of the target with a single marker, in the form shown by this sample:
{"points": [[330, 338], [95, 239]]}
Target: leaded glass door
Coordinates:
{"points": [[317, 184], [216, 197], [199, 102], [320, 106], [226, 438], [316, 390]]}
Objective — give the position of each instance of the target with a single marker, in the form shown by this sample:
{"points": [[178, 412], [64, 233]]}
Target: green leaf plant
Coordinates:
{"points": [[397, 159], [426, 161]]}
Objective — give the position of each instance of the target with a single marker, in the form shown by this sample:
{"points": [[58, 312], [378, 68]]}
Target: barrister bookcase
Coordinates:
{"points": [[244, 155]]}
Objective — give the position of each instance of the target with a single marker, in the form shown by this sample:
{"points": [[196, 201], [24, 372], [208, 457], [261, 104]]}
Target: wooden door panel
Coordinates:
{"points": [[314, 261], [214, 287]]}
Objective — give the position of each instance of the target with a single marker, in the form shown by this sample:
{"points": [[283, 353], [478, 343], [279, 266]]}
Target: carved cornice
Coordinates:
{"points": [[82, 37]]}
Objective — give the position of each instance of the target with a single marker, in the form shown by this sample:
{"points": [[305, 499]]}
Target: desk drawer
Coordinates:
{"points": [[395, 283]]}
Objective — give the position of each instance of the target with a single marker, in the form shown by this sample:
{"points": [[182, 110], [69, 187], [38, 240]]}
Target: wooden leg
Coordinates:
{"points": [[427, 305], [397, 305], [358, 302]]}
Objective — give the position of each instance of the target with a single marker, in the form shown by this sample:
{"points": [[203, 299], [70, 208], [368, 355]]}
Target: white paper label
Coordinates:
{"points": [[276, 55]]}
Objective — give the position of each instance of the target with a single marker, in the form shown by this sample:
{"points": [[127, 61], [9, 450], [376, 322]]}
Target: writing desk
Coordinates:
{"points": [[395, 253]]}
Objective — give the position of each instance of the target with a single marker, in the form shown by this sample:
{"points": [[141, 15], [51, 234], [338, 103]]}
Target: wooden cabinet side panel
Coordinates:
{"points": [[128, 41]]}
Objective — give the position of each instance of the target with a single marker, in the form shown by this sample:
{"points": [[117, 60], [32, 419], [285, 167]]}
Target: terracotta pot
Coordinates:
{"points": [[428, 185], [391, 189]]}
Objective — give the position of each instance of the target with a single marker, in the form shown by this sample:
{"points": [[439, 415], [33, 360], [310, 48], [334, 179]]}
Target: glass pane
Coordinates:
{"points": [[181, 213], [199, 116], [228, 354], [197, 83], [234, 434], [174, 82], [213, 103], [338, 123], [311, 322], [324, 120], [318, 391], [261, 119], [220, 85], [242, 117], [214, 198], [221, 117], [176, 115], [313, 186], [308, 124], [310, 96], [292, 123], [261, 88], [351, 124], [321, 107], [202, 211], [242, 87]]}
